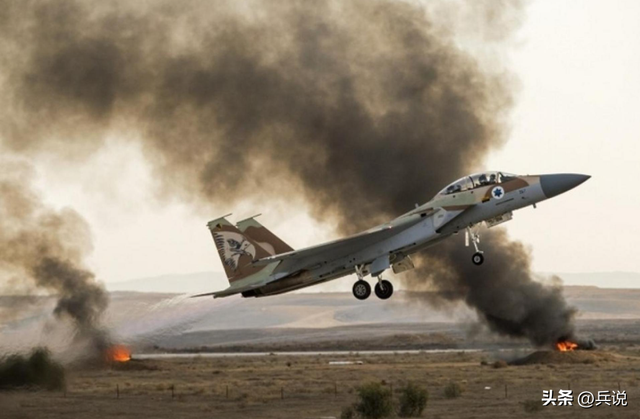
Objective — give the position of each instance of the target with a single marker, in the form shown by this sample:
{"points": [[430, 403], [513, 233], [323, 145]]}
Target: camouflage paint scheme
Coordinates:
{"points": [[258, 263], [263, 236]]}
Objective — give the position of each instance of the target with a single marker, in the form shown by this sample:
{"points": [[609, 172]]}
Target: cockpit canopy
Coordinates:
{"points": [[475, 181]]}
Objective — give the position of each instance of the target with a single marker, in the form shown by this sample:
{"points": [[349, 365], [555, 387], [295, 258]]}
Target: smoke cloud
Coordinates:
{"points": [[45, 249], [502, 291], [363, 107]]}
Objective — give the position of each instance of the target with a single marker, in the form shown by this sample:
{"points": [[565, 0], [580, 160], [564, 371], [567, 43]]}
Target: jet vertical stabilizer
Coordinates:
{"points": [[251, 228], [236, 250]]}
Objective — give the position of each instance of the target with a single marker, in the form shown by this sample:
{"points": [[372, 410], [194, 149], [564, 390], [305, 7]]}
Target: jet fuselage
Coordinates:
{"points": [[444, 215]]}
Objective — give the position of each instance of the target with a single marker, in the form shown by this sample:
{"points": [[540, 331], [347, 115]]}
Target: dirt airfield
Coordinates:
{"points": [[308, 386]]}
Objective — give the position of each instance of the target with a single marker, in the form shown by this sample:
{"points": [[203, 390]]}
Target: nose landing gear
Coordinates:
{"points": [[478, 257]]}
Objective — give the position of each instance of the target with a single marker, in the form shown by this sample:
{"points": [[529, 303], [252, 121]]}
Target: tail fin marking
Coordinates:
{"points": [[263, 236], [236, 250]]}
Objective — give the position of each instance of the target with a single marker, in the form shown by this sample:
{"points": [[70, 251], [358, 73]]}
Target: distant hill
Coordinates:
{"points": [[177, 321], [602, 279], [193, 283], [201, 282]]}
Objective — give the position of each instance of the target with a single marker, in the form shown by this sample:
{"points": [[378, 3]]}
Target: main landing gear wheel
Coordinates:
{"points": [[383, 289], [477, 258], [361, 290]]}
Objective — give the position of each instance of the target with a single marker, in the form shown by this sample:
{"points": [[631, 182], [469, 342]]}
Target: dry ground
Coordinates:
{"points": [[280, 386]]}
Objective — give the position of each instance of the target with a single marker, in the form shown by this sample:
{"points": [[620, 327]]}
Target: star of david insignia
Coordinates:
{"points": [[497, 192]]}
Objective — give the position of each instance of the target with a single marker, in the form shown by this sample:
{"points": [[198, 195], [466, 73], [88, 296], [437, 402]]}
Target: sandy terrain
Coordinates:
{"points": [[308, 387]]}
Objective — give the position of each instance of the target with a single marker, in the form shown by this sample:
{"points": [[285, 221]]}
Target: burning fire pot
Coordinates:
{"points": [[118, 353], [566, 345]]}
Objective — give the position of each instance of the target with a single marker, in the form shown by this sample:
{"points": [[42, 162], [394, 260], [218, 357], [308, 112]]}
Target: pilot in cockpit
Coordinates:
{"points": [[483, 180], [453, 188]]}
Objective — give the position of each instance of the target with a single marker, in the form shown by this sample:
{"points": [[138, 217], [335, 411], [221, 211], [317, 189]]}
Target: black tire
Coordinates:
{"points": [[361, 290], [385, 291], [477, 258]]}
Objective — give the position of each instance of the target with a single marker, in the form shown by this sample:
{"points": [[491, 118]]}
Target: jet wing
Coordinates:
{"points": [[340, 247], [324, 251]]}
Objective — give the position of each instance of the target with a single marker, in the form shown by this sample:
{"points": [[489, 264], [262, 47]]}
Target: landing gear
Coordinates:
{"points": [[362, 290], [478, 256], [383, 289]]}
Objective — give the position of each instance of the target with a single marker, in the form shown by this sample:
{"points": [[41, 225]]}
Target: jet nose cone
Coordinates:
{"points": [[553, 185]]}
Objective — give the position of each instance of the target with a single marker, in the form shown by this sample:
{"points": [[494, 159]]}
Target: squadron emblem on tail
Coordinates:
{"points": [[232, 246]]}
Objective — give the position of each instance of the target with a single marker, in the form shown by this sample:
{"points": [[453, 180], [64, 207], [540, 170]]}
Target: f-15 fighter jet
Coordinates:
{"points": [[259, 264]]}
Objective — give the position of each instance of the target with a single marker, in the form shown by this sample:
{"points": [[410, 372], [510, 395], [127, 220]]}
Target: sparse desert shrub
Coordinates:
{"points": [[500, 364], [452, 390], [532, 406], [413, 400], [348, 413], [484, 362], [375, 401], [38, 370]]}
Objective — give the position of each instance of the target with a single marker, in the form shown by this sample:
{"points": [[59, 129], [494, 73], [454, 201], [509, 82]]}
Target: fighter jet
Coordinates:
{"points": [[258, 264]]}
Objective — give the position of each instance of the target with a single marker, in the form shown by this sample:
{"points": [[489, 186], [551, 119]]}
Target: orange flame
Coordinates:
{"points": [[566, 346], [118, 353]]}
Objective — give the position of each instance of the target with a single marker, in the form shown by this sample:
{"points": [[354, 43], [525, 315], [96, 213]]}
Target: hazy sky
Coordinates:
{"points": [[578, 110]]}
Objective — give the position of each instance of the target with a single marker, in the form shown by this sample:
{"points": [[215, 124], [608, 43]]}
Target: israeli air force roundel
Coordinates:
{"points": [[497, 192]]}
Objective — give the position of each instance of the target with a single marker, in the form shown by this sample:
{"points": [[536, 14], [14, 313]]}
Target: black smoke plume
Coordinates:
{"points": [[44, 249], [502, 290], [363, 106]]}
